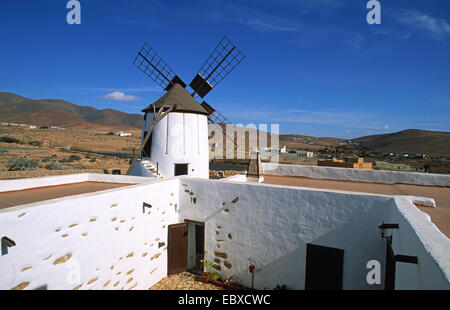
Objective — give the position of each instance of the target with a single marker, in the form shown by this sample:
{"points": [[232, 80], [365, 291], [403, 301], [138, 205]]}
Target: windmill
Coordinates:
{"points": [[222, 60]]}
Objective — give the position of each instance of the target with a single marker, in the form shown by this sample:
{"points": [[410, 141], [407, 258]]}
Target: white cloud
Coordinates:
{"points": [[136, 89], [119, 96], [437, 27], [386, 127]]}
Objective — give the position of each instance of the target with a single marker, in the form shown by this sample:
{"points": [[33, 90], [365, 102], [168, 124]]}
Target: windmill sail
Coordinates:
{"points": [[149, 62], [224, 58]]}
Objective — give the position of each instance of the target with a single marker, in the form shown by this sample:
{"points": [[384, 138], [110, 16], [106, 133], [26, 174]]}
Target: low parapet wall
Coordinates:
{"points": [[29, 183], [101, 240], [345, 174], [271, 226]]}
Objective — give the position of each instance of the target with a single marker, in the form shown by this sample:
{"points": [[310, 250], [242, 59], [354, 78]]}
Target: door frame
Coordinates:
{"points": [[187, 221]]}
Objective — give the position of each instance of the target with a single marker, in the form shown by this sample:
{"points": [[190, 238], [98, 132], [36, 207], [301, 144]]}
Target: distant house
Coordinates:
{"points": [[122, 134], [305, 154], [349, 162], [31, 127]]}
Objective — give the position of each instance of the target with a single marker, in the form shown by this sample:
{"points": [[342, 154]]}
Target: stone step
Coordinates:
{"points": [[149, 166]]}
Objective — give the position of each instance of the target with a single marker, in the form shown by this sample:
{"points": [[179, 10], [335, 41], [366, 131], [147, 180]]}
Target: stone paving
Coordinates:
{"points": [[183, 281]]}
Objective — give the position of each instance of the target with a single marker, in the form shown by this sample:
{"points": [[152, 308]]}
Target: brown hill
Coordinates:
{"points": [[49, 112], [411, 141], [308, 143]]}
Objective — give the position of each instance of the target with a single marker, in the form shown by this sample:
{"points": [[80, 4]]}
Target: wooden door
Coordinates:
{"points": [[177, 248], [324, 268]]}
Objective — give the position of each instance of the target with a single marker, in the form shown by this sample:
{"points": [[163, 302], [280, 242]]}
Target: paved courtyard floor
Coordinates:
{"points": [[183, 281]]}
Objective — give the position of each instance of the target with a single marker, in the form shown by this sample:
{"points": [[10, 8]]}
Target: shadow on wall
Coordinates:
{"points": [[273, 225], [361, 242]]}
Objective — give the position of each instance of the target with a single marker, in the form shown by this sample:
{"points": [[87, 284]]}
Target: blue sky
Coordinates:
{"points": [[316, 67]]}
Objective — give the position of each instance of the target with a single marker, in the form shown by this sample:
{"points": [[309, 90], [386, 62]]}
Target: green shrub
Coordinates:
{"points": [[9, 139], [46, 159], [110, 133], [22, 164], [66, 160], [53, 166], [35, 143], [74, 157], [93, 160]]}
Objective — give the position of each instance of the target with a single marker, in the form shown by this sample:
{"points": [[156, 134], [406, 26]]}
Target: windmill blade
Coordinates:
{"points": [[217, 118], [149, 62], [225, 57], [214, 116]]}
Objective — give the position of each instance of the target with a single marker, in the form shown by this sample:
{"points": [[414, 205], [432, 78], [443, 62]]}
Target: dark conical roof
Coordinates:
{"points": [[180, 99]]}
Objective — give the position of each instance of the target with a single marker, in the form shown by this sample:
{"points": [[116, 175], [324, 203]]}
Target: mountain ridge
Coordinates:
{"points": [[58, 112], [409, 141]]}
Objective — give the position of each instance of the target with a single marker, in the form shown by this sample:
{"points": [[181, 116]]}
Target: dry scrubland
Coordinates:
{"points": [[42, 152]]}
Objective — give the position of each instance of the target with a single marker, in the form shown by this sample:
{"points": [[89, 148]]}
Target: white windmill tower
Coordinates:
{"points": [[175, 130]]}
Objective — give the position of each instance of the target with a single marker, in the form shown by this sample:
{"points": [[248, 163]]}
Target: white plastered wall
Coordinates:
{"points": [[109, 237], [418, 236], [271, 225], [105, 235], [358, 175], [28, 183]]}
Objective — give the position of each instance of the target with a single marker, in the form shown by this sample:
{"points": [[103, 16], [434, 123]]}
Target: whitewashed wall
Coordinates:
{"points": [[29, 183], [272, 225], [346, 174], [116, 245], [418, 236], [105, 234], [180, 138]]}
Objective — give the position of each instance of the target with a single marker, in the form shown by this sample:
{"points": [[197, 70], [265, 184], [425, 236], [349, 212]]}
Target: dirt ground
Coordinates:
{"points": [[65, 150], [183, 281]]}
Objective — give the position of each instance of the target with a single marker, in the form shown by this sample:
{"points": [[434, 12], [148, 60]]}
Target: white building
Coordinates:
{"points": [[133, 236], [122, 134], [178, 144], [305, 154]]}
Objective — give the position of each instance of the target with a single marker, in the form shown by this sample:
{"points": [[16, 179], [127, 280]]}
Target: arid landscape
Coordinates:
{"points": [[48, 137], [39, 152]]}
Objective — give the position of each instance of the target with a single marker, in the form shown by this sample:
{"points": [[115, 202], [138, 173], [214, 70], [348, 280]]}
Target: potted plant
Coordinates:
{"points": [[218, 280], [206, 277], [209, 274]]}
